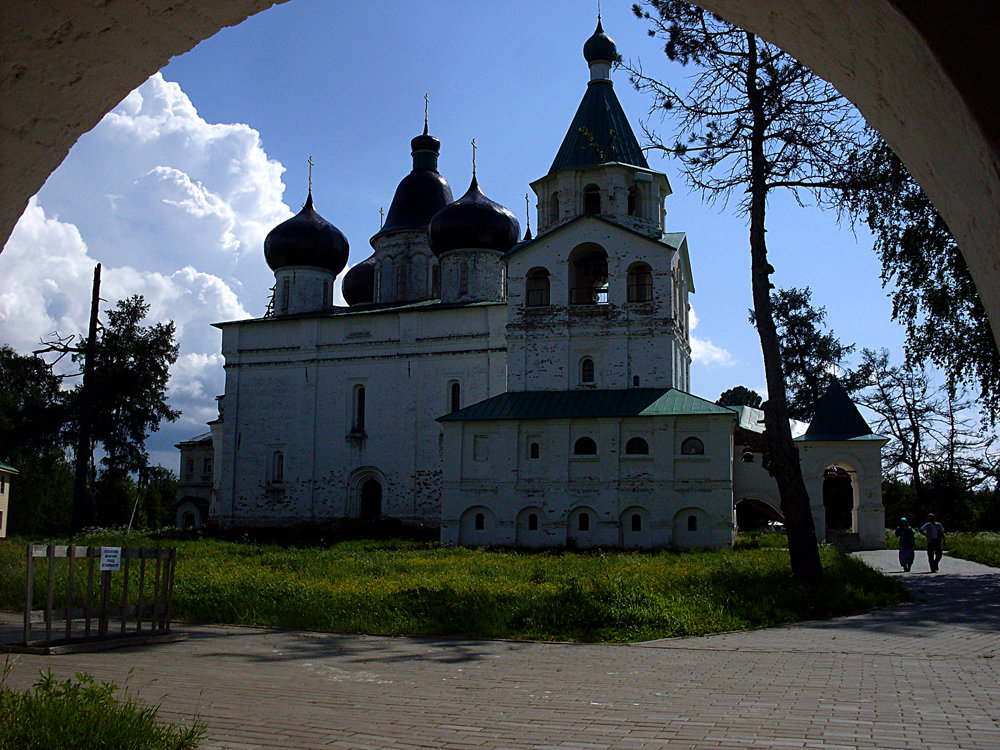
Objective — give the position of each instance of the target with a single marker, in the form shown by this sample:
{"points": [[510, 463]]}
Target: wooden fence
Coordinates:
{"points": [[87, 608]]}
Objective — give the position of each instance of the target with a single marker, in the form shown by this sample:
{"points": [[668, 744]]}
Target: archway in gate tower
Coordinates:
{"points": [[840, 494], [754, 514]]}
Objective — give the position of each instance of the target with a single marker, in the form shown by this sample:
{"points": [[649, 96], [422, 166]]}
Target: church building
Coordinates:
{"points": [[508, 390]]}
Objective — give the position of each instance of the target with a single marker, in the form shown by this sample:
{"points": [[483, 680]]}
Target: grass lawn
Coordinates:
{"points": [[421, 588]]}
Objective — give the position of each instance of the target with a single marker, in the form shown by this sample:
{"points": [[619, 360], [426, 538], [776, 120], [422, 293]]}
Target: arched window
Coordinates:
{"points": [[400, 283], [277, 467], [592, 199], [463, 277], [358, 420], [585, 446], [286, 293], [588, 275], [637, 447], [583, 522], [692, 523], [636, 522], [554, 208], [533, 522], [747, 457], [533, 450], [640, 283], [635, 381], [378, 284], [587, 371], [455, 394], [692, 446], [633, 201], [480, 522], [536, 288]]}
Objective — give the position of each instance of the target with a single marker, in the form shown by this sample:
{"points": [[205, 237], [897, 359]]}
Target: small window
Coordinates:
{"points": [[378, 284], [592, 199], [636, 522], [554, 208], [278, 467], [206, 466], [692, 523], [286, 293], [456, 397], [583, 522], [359, 408], [635, 381], [585, 446], [637, 447], [481, 448], [587, 371], [633, 201], [400, 284], [532, 522], [190, 466], [533, 450], [692, 446], [480, 522]]}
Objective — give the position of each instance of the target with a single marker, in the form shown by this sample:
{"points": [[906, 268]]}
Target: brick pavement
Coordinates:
{"points": [[924, 674]]}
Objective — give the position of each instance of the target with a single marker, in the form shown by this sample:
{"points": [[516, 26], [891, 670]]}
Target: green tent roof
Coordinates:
{"points": [[634, 402], [837, 418], [8, 468], [600, 133]]}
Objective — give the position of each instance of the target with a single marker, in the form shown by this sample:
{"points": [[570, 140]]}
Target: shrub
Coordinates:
{"points": [[81, 713]]}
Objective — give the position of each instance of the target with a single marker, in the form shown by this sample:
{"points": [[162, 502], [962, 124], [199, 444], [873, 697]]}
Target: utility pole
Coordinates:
{"points": [[84, 513]]}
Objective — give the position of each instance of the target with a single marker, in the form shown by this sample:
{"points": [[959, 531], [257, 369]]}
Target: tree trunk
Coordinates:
{"points": [[784, 465], [83, 510]]}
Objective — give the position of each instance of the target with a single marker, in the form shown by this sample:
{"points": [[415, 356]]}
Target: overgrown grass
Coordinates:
{"points": [[982, 547], [81, 713], [422, 588]]}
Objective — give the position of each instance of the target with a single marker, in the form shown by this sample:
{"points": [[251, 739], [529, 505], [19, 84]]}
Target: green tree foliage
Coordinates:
{"points": [[934, 295], [740, 396], [811, 355], [33, 440], [752, 121]]}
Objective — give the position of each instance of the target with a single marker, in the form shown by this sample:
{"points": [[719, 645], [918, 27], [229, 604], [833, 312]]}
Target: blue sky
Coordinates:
{"points": [[174, 191]]}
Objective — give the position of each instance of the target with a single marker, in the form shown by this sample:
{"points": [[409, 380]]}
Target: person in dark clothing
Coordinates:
{"points": [[907, 544], [935, 541]]}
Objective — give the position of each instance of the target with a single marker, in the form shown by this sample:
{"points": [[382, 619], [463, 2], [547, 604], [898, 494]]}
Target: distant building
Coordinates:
{"points": [[194, 485], [506, 390]]}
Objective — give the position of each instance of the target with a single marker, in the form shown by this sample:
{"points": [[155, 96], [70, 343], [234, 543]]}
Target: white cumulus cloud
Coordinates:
{"points": [[703, 351], [169, 204]]}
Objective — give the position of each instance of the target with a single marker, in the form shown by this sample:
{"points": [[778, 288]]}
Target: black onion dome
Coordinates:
{"points": [[473, 221], [306, 239], [422, 193], [358, 285], [600, 46]]}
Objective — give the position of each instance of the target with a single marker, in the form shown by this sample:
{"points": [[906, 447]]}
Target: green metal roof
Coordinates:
{"points": [[8, 468], [837, 418], [581, 404], [600, 133]]}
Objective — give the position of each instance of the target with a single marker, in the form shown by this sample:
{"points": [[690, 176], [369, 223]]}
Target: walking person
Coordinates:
{"points": [[935, 541], [907, 544]]}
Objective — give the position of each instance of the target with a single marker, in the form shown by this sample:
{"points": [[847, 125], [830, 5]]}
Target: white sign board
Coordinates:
{"points": [[111, 558]]}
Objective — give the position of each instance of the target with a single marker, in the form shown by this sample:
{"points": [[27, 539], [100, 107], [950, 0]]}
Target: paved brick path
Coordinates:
{"points": [[925, 674]]}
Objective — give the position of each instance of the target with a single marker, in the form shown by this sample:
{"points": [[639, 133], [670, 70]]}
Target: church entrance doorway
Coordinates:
{"points": [[370, 506], [838, 499]]}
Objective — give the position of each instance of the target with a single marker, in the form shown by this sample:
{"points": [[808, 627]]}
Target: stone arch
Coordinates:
{"points": [[588, 275], [635, 527], [477, 527], [536, 287], [530, 527], [581, 527], [841, 483], [692, 528], [914, 70]]}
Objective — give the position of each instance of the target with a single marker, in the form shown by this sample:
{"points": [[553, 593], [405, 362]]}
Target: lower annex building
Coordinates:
{"points": [[506, 390]]}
